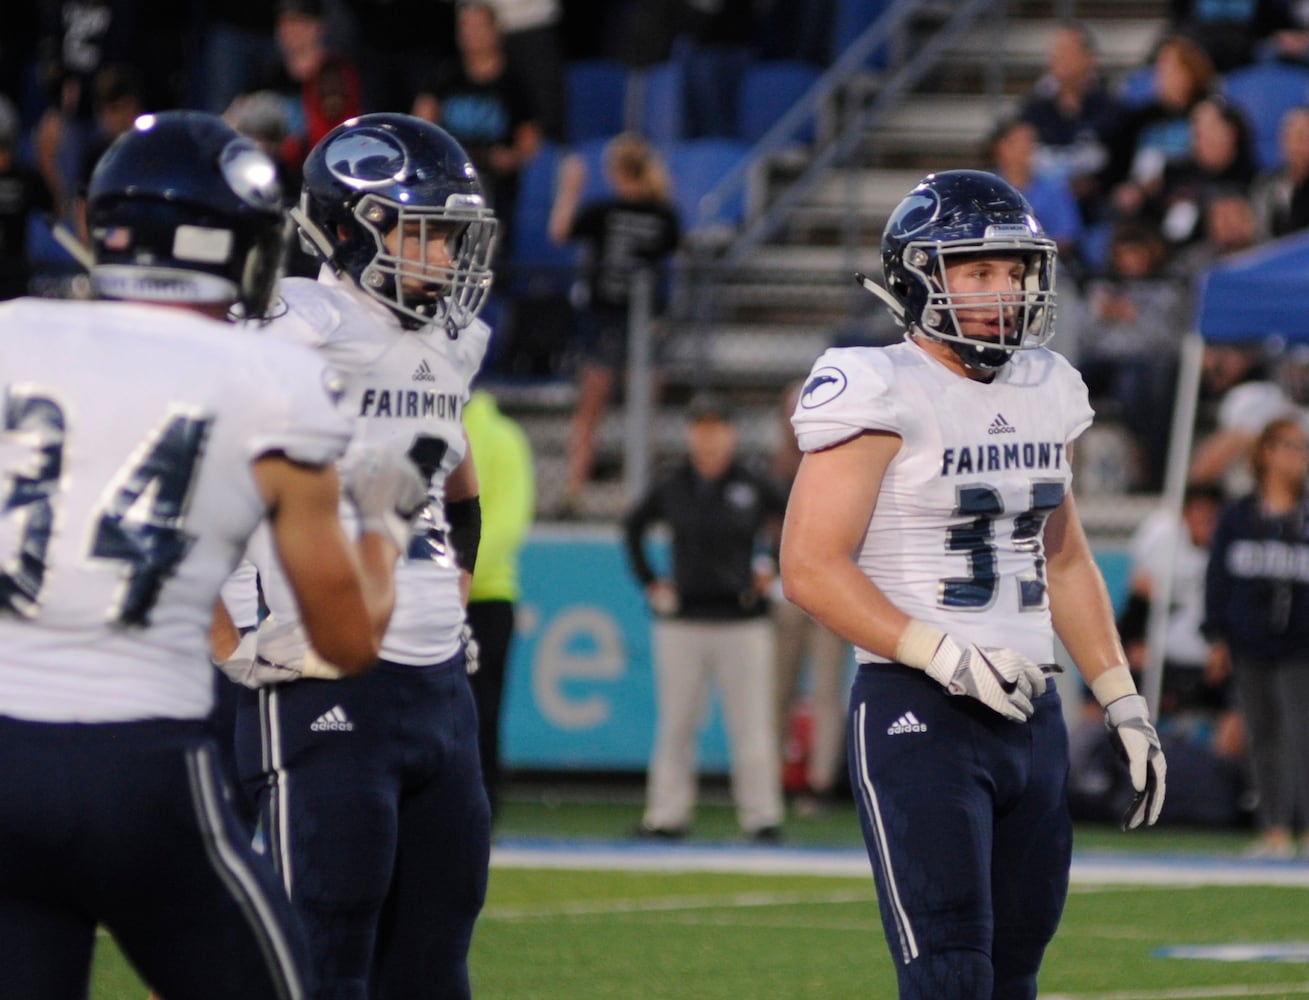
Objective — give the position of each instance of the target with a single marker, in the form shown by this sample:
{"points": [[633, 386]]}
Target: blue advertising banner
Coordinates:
{"points": [[580, 688]]}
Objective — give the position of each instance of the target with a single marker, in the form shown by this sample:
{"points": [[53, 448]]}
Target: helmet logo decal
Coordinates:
{"points": [[823, 386], [251, 175], [367, 158]]}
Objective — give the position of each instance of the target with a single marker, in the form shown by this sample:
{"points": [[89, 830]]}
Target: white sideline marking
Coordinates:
{"points": [[1091, 870], [1193, 993], [740, 900]]}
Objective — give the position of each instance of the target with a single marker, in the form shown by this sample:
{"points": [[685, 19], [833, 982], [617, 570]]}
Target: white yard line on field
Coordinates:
{"points": [[1193, 993], [1091, 870]]}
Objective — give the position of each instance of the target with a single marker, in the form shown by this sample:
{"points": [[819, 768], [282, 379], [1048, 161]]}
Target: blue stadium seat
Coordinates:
{"points": [[596, 91], [658, 92], [537, 264], [851, 19], [1266, 91], [697, 166], [768, 90]]}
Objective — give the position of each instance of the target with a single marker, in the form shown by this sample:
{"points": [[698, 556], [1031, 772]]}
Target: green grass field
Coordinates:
{"points": [[564, 932]]}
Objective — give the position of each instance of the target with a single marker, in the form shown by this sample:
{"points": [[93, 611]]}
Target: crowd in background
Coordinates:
{"points": [[1144, 182]]}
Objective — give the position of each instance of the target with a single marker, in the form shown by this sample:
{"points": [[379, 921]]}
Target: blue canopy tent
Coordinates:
{"points": [[1258, 294], [1253, 296]]}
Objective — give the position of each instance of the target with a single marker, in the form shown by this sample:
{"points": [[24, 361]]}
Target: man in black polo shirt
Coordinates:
{"points": [[713, 622]]}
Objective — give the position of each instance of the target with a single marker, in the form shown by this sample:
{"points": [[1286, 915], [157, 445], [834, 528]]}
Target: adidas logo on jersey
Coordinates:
{"points": [[334, 720], [423, 373], [907, 723], [1001, 426]]}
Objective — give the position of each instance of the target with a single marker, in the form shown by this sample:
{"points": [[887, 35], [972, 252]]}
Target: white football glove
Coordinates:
{"points": [[1001, 679], [471, 649], [247, 668], [386, 488], [1137, 743], [274, 653]]}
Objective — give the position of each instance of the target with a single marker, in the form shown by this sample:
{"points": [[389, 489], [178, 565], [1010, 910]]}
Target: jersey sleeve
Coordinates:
{"points": [[846, 393], [303, 421], [1074, 396]]}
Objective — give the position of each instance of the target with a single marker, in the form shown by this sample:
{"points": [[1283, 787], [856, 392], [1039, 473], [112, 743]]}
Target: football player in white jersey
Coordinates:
{"points": [[142, 442], [370, 788], [932, 525]]}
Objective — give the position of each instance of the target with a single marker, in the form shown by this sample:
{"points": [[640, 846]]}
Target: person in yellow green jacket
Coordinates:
{"points": [[503, 458]]}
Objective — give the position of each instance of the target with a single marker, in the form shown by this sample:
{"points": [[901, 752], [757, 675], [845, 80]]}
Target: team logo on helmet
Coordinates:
{"points": [[367, 158], [251, 175]]}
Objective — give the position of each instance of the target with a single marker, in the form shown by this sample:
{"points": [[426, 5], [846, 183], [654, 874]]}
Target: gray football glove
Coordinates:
{"points": [[1137, 743], [386, 488], [471, 649], [1001, 679]]}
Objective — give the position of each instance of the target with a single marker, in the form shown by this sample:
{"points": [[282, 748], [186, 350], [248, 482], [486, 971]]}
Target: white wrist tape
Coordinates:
{"points": [[918, 644], [1114, 683]]}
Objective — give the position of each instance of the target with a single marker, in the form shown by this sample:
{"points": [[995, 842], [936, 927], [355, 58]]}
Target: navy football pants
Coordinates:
{"points": [[965, 818], [130, 825], [371, 799]]}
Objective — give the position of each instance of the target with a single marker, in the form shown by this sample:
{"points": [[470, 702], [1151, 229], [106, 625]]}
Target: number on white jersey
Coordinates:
{"points": [[976, 541], [139, 522]]}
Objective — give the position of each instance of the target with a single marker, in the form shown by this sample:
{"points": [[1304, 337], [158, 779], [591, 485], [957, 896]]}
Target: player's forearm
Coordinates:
{"points": [[836, 594], [377, 559], [1083, 618]]}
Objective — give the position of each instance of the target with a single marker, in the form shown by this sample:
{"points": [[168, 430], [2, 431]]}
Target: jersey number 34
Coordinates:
{"points": [[138, 520]]}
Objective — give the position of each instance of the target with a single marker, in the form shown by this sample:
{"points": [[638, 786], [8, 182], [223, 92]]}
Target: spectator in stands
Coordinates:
{"points": [[1221, 157], [1281, 197], [23, 194], [238, 46], [477, 99], [712, 623], [1228, 32], [117, 100], [1200, 727], [503, 458], [807, 649], [1230, 226], [1283, 31], [1136, 313], [719, 44], [325, 82], [535, 52], [1012, 153], [1257, 617], [1159, 132], [634, 226], [395, 44], [1248, 390], [1192, 704], [1076, 116]]}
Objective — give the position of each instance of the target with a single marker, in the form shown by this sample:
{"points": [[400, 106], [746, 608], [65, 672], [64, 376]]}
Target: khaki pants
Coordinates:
{"points": [[738, 656], [801, 641]]}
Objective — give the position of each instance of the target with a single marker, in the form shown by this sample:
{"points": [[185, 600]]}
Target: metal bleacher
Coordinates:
{"points": [[787, 211]]}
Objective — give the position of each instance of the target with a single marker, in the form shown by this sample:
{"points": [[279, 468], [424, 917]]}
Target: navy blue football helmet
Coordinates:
{"points": [[963, 213], [378, 172], [182, 208]]}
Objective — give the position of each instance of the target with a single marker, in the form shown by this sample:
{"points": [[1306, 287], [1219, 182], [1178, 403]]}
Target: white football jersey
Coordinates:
{"points": [[403, 386], [956, 535], [128, 433]]}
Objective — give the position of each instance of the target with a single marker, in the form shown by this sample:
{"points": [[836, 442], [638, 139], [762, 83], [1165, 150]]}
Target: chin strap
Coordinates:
{"points": [[311, 234], [891, 302]]}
